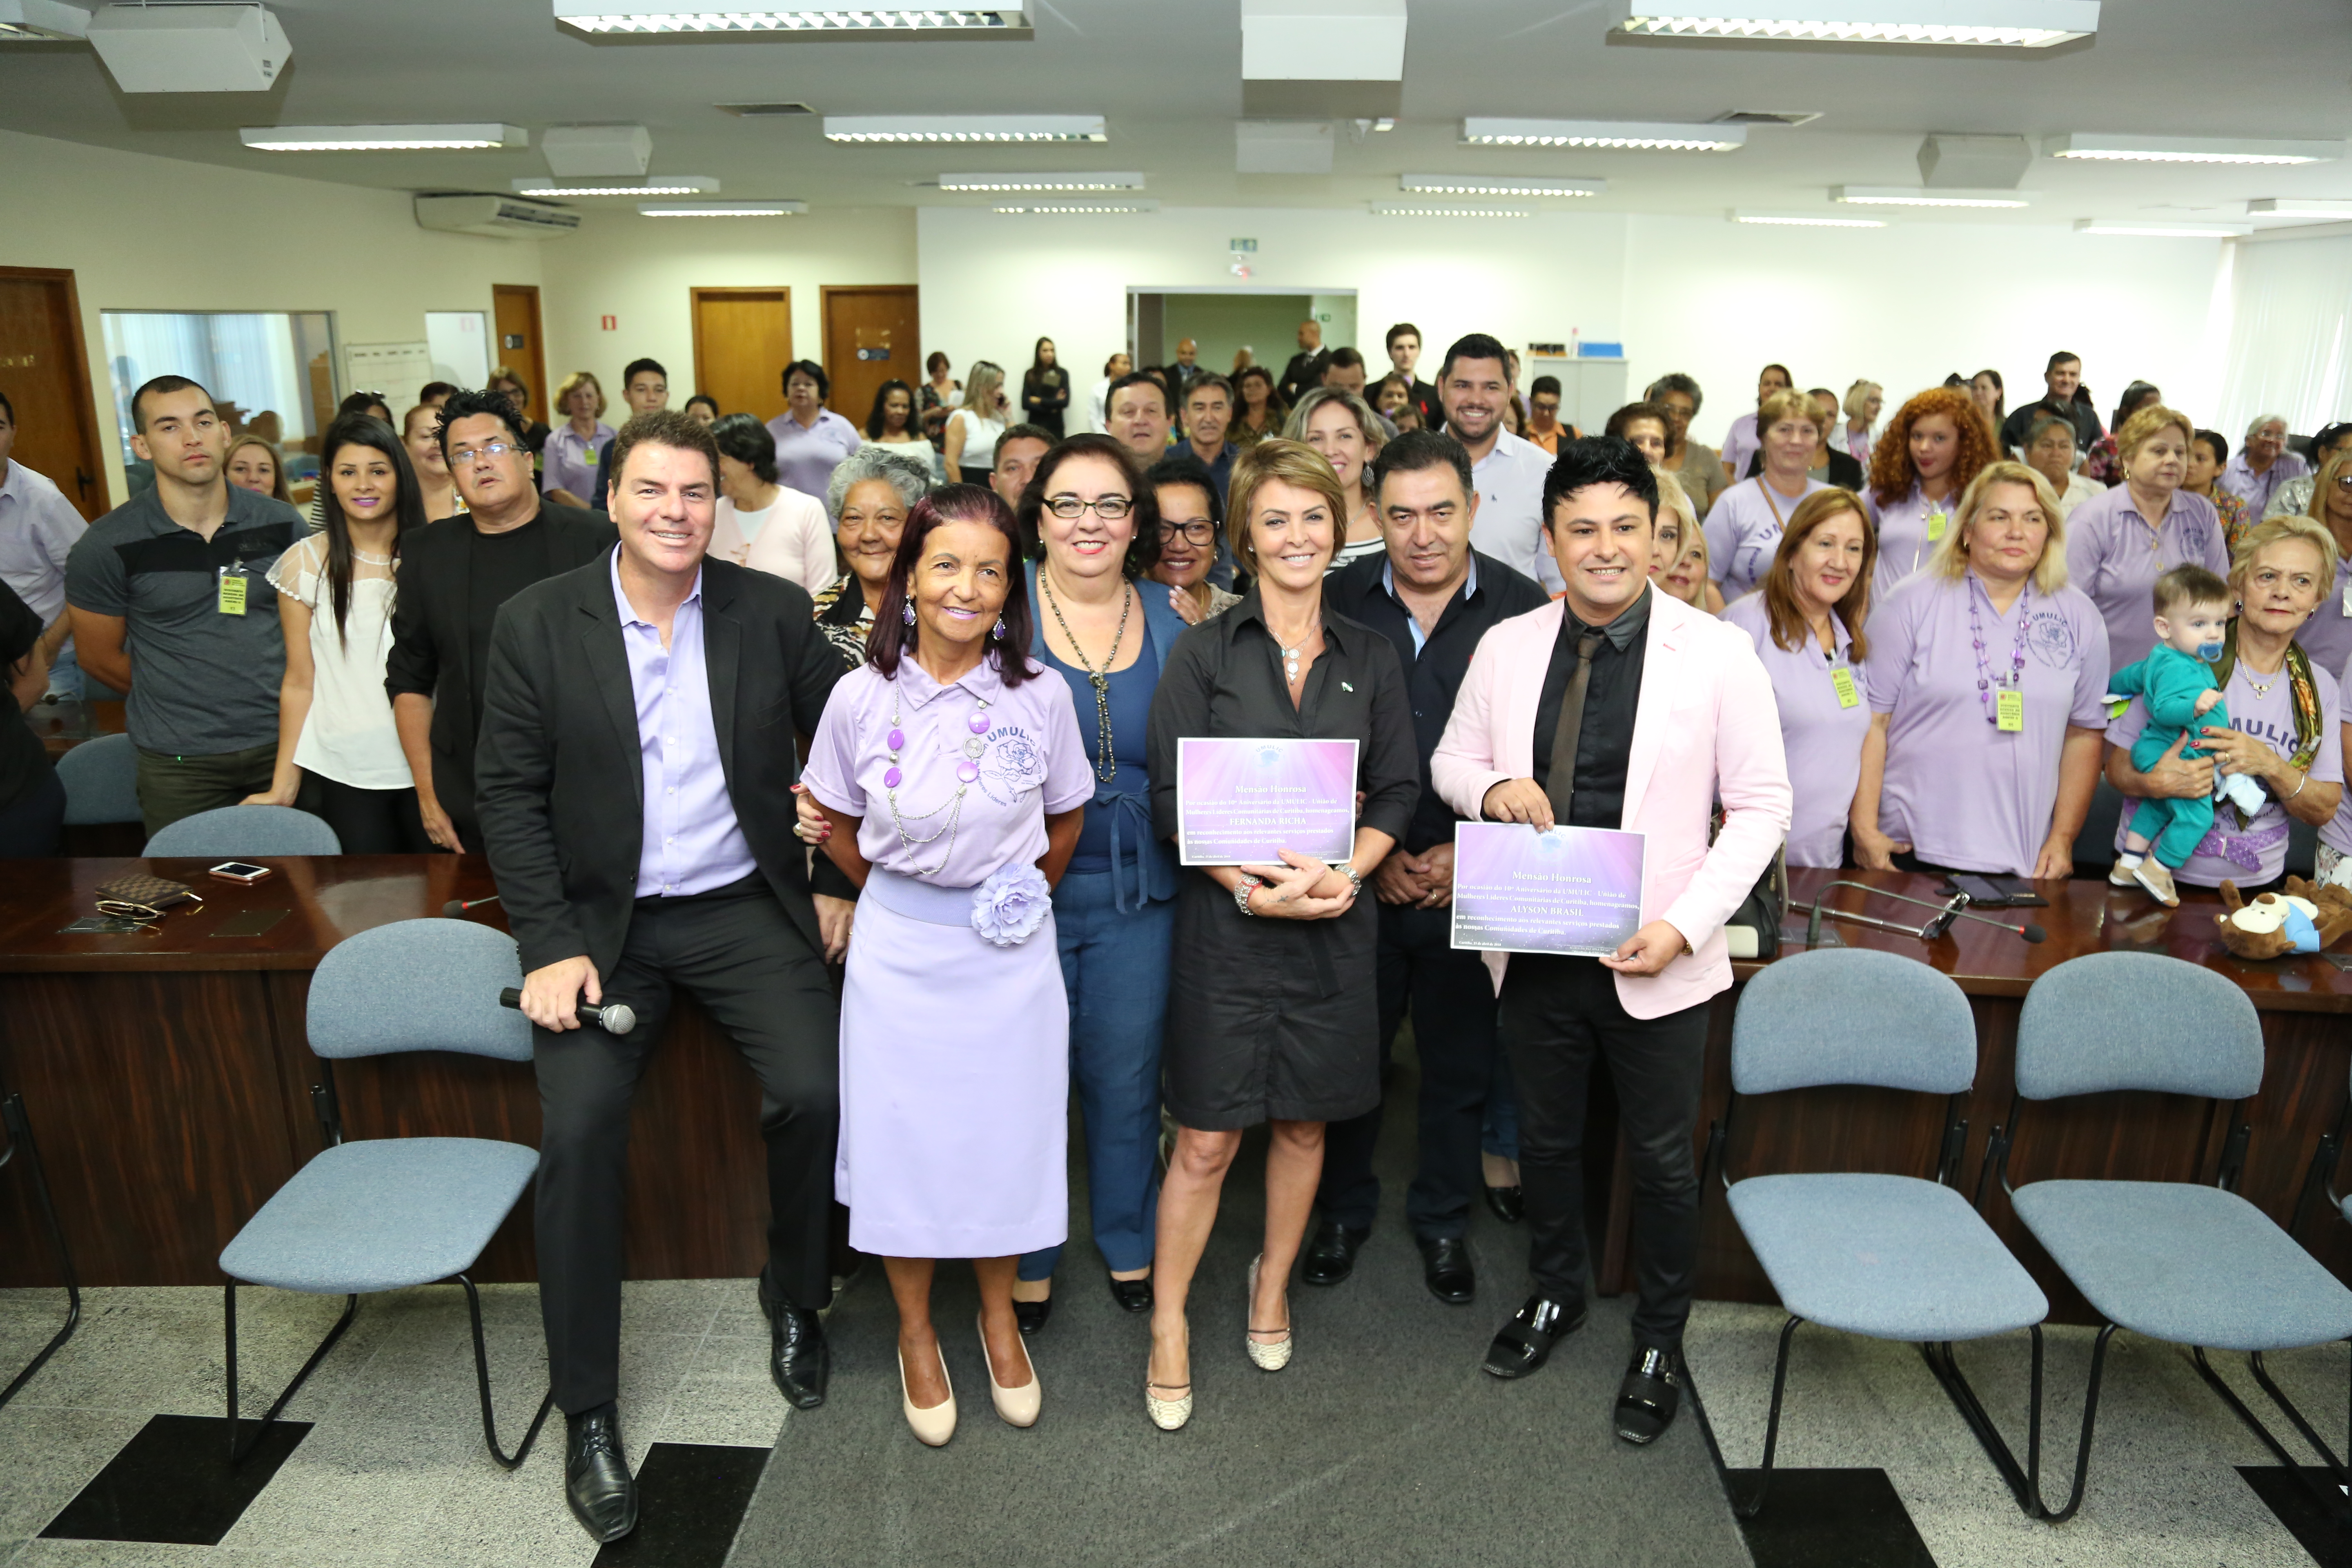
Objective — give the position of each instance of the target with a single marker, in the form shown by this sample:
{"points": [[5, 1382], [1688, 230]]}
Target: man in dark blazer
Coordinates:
{"points": [[634, 785], [454, 575]]}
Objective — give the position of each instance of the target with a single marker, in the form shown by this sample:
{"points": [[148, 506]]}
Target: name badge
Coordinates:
{"points": [[1937, 522], [232, 591], [2009, 711], [1842, 679]]}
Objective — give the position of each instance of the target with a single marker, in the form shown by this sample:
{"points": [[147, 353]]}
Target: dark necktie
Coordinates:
{"points": [[1562, 782]]}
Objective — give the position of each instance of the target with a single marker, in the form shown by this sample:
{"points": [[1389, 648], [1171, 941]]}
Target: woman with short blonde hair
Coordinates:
{"points": [[249, 473], [1864, 399], [1744, 525], [1678, 547], [2122, 541], [568, 459]]}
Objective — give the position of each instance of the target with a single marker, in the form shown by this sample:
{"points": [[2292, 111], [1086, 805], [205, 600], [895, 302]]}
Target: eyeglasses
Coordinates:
{"points": [[131, 909], [1202, 532], [1110, 509], [476, 454], [2344, 481]]}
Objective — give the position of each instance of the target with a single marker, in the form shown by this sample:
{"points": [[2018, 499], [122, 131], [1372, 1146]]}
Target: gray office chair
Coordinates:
{"points": [[2179, 1262], [101, 780], [386, 1213], [241, 831], [21, 1148], [1887, 1257]]}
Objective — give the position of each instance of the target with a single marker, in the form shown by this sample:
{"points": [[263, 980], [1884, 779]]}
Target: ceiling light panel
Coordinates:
{"points": [[2154, 228], [1447, 209], [1807, 220], [720, 209], [2187, 150], [2299, 206], [380, 138], [1648, 135], [1077, 209], [656, 17], [1127, 181], [1922, 196], [965, 127], [1323, 40], [1996, 23], [651, 185], [23, 21], [1497, 186]]}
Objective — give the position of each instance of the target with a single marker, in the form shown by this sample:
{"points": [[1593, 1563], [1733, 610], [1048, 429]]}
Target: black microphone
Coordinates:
{"points": [[613, 1017], [456, 907], [2030, 932]]}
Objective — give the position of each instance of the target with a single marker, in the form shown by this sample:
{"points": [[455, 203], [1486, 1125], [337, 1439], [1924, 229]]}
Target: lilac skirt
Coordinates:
{"points": [[955, 1080]]}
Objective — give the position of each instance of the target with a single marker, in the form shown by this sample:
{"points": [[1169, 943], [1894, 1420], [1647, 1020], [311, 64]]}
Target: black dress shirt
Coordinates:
{"points": [[1611, 699], [1364, 591]]}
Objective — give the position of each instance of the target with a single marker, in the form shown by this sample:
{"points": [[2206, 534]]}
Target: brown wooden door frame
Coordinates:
{"points": [[694, 297], [825, 320], [85, 405], [536, 371]]}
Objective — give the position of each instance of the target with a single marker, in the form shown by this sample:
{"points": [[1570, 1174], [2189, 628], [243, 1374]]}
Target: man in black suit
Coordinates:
{"points": [[1305, 371], [454, 575], [636, 776]]}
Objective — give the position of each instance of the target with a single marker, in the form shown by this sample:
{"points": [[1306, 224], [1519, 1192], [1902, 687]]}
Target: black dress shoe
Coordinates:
{"points": [[596, 1480], [1133, 1295], [1525, 1342], [1032, 1315], [1650, 1393], [1507, 1204], [1331, 1255], [799, 1358], [1445, 1265]]}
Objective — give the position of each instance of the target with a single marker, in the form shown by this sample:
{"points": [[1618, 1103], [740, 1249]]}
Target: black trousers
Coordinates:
{"points": [[738, 952], [1557, 1015], [1453, 1001], [371, 821]]}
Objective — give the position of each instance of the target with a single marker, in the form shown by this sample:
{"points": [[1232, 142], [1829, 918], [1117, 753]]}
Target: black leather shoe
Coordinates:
{"points": [[1133, 1295], [1445, 1265], [1331, 1255], [596, 1480], [1032, 1315], [1507, 1204], [799, 1358], [1650, 1393], [1524, 1343]]}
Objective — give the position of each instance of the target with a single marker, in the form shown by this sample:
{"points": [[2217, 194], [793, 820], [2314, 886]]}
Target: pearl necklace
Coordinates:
{"points": [[966, 774]]}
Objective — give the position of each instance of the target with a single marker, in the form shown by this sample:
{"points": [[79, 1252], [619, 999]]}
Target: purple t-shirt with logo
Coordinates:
{"points": [[1821, 736], [2112, 556]]}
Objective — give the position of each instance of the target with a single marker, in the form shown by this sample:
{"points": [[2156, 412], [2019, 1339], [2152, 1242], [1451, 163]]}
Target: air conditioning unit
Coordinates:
{"points": [[496, 216]]}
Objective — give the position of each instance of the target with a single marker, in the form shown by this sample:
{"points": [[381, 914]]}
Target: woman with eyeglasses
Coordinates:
{"points": [[1191, 516]]}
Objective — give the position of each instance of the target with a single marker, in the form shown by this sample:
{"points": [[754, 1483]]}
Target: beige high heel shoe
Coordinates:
{"points": [[936, 1426], [1018, 1406], [1168, 1414], [1269, 1357]]}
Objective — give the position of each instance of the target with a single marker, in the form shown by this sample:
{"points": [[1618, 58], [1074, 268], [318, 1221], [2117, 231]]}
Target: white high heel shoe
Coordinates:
{"points": [[1018, 1406], [936, 1426], [1269, 1358]]}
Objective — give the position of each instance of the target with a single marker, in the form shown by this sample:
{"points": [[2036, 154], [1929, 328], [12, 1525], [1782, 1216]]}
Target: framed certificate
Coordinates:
{"points": [[1567, 890], [1241, 802]]}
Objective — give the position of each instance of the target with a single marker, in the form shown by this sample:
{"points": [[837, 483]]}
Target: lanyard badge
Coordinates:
{"points": [[233, 582]]}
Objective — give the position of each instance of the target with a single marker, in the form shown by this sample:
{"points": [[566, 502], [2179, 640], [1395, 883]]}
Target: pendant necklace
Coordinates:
{"points": [[1290, 655], [966, 774], [1106, 763]]}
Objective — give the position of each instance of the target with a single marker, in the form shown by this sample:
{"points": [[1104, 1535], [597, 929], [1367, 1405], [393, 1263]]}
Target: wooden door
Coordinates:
{"points": [[45, 371], [873, 333], [742, 340], [521, 347]]}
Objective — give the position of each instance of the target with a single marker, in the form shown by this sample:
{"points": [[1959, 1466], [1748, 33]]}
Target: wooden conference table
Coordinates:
{"points": [[168, 1078]]}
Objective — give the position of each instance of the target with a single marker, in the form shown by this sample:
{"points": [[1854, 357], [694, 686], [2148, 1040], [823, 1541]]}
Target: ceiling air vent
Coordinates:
{"points": [[494, 216], [762, 110], [1768, 117]]}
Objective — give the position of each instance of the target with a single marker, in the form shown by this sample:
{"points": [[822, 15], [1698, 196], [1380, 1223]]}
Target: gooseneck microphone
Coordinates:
{"points": [[1956, 908], [2030, 933], [456, 907], [613, 1017]]}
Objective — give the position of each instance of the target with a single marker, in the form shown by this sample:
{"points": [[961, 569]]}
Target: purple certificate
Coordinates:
{"points": [[1239, 803], [1570, 891]]}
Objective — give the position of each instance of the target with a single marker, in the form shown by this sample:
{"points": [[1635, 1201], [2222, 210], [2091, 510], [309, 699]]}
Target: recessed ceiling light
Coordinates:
{"points": [[1073, 182], [1807, 220], [1498, 185], [28, 21], [659, 16], [1925, 196], [2000, 23], [965, 127], [720, 209], [2187, 150], [2158, 228], [1076, 209], [1433, 209], [2298, 206], [380, 138], [651, 185], [1631, 133]]}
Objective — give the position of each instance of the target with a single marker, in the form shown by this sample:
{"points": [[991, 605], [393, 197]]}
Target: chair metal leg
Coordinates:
{"points": [[20, 1142], [238, 1452], [2082, 1454], [2024, 1483], [482, 1377], [2332, 1501], [1755, 1505]]}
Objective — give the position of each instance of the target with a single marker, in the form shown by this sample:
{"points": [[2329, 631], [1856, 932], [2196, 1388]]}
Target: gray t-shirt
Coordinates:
{"points": [[203, 682]]}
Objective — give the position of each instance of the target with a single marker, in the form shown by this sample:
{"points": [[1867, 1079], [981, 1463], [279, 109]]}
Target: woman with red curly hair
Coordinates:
{"points": [[1934, 446]]}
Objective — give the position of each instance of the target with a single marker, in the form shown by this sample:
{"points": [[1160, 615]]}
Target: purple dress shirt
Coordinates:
{"points": [[2256, 489], [806, 455], [1740, 442], [2112, 556], [692, 842], [1821, 736], [1908, 532], [568, 462]]}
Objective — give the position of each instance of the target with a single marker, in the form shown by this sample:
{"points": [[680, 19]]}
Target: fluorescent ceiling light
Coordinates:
{"points": [[31, 20], [1807, 220], [651, 185], [2000, 23], [1925, 196], [675, 16], [1074, 209], [965, 127], [1074, 182], [2160, 228], [1498, 185], [2298, 206], [380, 138], [720, 209], [1634, 133], [1430, 210], [2187, 150]]}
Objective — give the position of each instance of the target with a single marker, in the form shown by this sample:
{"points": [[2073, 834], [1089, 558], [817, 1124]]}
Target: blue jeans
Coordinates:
{"points": [[1115, 967]]}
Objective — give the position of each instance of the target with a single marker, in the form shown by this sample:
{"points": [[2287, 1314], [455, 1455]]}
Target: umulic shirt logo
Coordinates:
{"points": [[2051, 637], [1013, 765]]}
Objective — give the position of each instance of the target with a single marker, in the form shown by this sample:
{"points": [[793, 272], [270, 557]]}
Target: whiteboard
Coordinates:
{"points": [[396, 370]]}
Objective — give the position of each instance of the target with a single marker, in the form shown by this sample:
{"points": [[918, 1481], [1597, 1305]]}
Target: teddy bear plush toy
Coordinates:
{"points": [[2304, 918]]}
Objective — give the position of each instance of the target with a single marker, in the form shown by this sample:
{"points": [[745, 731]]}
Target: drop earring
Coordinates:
{"points": [[999, 632], [908, 607]]}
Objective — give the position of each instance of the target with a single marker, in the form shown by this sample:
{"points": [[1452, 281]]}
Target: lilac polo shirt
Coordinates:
{"points": [[1823, 739], [692, 842], [568, 462], [2327, 635], [1744, 527], [1907, 534], [37, 530], [1961, 792], [2336, 831], [1740, 442], [806, 455], [2256, 852], [2256, 489], [2112, 556]]}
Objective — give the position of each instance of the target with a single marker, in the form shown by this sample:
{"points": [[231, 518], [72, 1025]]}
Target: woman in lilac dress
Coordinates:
{"points": [[953, 781]]}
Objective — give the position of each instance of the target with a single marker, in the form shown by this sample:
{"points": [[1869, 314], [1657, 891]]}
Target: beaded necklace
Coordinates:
{"points": [[1106, 761], [966, 774], [1985, 681]]}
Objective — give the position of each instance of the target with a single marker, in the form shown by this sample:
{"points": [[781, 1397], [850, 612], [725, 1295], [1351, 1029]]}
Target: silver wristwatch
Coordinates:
{"points": [[1242, 892], [1355, 878]]}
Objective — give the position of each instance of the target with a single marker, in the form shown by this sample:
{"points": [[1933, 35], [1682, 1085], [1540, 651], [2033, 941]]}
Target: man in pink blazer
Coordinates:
{"points": [[1618, 707]]}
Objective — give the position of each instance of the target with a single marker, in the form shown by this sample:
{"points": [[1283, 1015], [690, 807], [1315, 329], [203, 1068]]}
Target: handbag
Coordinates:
{"points": [[1754, 928], [139, 896]]}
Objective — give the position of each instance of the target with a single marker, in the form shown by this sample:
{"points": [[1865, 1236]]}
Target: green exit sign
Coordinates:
{"points": [[1242, 244]]}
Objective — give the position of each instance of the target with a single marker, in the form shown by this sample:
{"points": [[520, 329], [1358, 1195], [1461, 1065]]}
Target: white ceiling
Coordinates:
{"points": [[1167, 73]]}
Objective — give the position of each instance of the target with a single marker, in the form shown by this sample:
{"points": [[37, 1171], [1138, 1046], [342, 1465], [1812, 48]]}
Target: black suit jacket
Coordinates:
{"points": [[560, 775], [1302, 375], [432, 649]]}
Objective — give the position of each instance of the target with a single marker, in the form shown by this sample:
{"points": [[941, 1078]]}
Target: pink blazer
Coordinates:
{"points": [[1706, 729]]}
